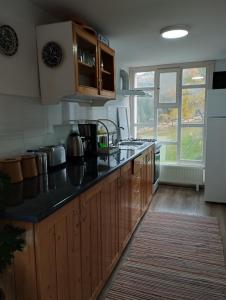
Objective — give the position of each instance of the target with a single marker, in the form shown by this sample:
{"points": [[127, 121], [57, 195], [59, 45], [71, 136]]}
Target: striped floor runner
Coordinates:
{"points": [[173, 257]]}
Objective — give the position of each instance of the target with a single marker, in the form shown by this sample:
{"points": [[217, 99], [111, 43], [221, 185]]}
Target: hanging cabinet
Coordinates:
{"points": [[80, 68]]}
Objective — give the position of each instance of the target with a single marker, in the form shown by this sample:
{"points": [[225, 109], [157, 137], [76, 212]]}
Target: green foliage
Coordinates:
{"points": [[10, 236], [10, 241]]}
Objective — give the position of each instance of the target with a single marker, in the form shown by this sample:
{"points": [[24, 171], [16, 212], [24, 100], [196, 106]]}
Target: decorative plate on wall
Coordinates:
{"points": [[8, 40], [52, 54]]}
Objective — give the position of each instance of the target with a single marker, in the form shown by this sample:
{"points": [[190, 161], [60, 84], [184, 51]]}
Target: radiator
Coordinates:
{"points": [[191, 175]]}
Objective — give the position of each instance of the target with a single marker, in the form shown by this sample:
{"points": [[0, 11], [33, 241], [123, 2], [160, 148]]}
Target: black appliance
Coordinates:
{"points": [[88, 134], [219, 80]]}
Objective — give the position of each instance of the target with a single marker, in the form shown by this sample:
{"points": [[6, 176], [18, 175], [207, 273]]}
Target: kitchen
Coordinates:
{"points": [[80, 217]]}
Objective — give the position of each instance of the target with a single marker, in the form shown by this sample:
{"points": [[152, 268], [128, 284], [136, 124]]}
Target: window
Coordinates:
{"points": [[173, 110]]}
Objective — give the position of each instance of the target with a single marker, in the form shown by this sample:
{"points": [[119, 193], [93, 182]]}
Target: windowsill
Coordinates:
{"points": [[183, 164]]}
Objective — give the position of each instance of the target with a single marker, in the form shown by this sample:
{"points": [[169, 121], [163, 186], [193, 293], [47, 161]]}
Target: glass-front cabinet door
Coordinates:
{"points": [[106, 71], [86, 62]]}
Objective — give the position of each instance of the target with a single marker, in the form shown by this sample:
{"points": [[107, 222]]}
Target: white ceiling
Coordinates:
{"points": [[133, 27]]}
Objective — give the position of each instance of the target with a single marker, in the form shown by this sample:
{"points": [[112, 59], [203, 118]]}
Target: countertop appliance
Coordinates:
{"points": [[88, 133], [215, 172], [75, 145], [56, 155]]}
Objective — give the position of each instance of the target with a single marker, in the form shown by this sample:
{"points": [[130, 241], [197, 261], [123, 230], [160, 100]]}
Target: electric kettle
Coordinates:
{"points": [[74, 145]]}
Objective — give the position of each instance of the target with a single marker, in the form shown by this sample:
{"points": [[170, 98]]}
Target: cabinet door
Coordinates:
{"points": [[109, 222], [58, 256], [149, 174], [106, 71], [86, 62], [91, 242], [18, 281], [136, 191], [125, 203]]}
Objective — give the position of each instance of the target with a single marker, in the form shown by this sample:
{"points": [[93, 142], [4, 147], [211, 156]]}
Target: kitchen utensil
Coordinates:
{"points": [[41, 160], [12, 168], [74, 145], [55, 155], [29, 166]]}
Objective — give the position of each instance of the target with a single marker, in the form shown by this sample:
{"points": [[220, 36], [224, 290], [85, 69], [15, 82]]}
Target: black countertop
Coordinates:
{"points": [[34, 199]]}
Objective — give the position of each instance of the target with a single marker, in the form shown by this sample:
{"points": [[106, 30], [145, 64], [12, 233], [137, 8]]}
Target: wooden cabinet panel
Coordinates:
{"points": [[149, 173], [86, 62], [136, 196], [91, 242], [106, 71], [58, 265], [19, 280], [125, 203], [109, 222]]}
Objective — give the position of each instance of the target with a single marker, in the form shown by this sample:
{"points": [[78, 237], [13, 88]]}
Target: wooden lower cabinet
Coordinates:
{"points": [[125, 202], [58, 256], [18, 281], [92, 275], [110, 222], [137, 186], [149, 165], [70, 254]]}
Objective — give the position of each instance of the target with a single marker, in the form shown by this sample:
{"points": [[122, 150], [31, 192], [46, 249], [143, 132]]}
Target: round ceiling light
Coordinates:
{"points": [[174, 32]]}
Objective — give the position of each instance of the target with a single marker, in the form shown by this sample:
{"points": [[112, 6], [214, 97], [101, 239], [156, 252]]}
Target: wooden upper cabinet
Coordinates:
{"points": [[85, 70], [86, 62], [106, 70]]}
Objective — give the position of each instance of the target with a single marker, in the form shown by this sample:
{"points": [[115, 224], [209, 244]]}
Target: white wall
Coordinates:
{"points": [[24, 122], [220, 65]]}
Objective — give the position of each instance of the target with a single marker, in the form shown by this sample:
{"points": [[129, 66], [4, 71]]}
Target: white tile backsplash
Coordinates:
{"points": [[25, 123]]}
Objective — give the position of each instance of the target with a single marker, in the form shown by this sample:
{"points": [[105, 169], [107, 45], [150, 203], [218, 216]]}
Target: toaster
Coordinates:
{"points": [[56, 155]]}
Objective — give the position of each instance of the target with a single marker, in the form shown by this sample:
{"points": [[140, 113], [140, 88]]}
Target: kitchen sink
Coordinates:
{"points": [[131, 143]]}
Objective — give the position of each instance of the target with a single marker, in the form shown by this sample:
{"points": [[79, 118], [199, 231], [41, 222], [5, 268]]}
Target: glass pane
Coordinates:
{"points": [[192, 143], [168, 153], [193, 106], [145, 132], [144, 79], [144, 109], [168, 87], [193, 76], [167, 124]]}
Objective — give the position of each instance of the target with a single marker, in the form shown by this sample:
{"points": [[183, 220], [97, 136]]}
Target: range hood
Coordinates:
{"points": [[125, 91]]}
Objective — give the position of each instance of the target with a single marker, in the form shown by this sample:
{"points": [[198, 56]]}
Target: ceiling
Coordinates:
{"points": [[133, 27]]}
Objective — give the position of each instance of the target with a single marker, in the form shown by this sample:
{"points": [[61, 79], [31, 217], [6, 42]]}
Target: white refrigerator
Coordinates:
{"points": [[215, 171]]}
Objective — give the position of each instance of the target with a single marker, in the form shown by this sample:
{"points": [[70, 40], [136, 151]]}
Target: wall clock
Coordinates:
{"points": [[8, 40], [52, 54]]}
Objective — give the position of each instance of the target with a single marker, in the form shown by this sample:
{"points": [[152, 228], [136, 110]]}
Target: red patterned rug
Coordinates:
{"points": [[173, 257]]}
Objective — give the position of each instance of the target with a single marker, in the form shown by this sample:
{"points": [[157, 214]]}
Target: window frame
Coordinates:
{"points": [[209, 65]]}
